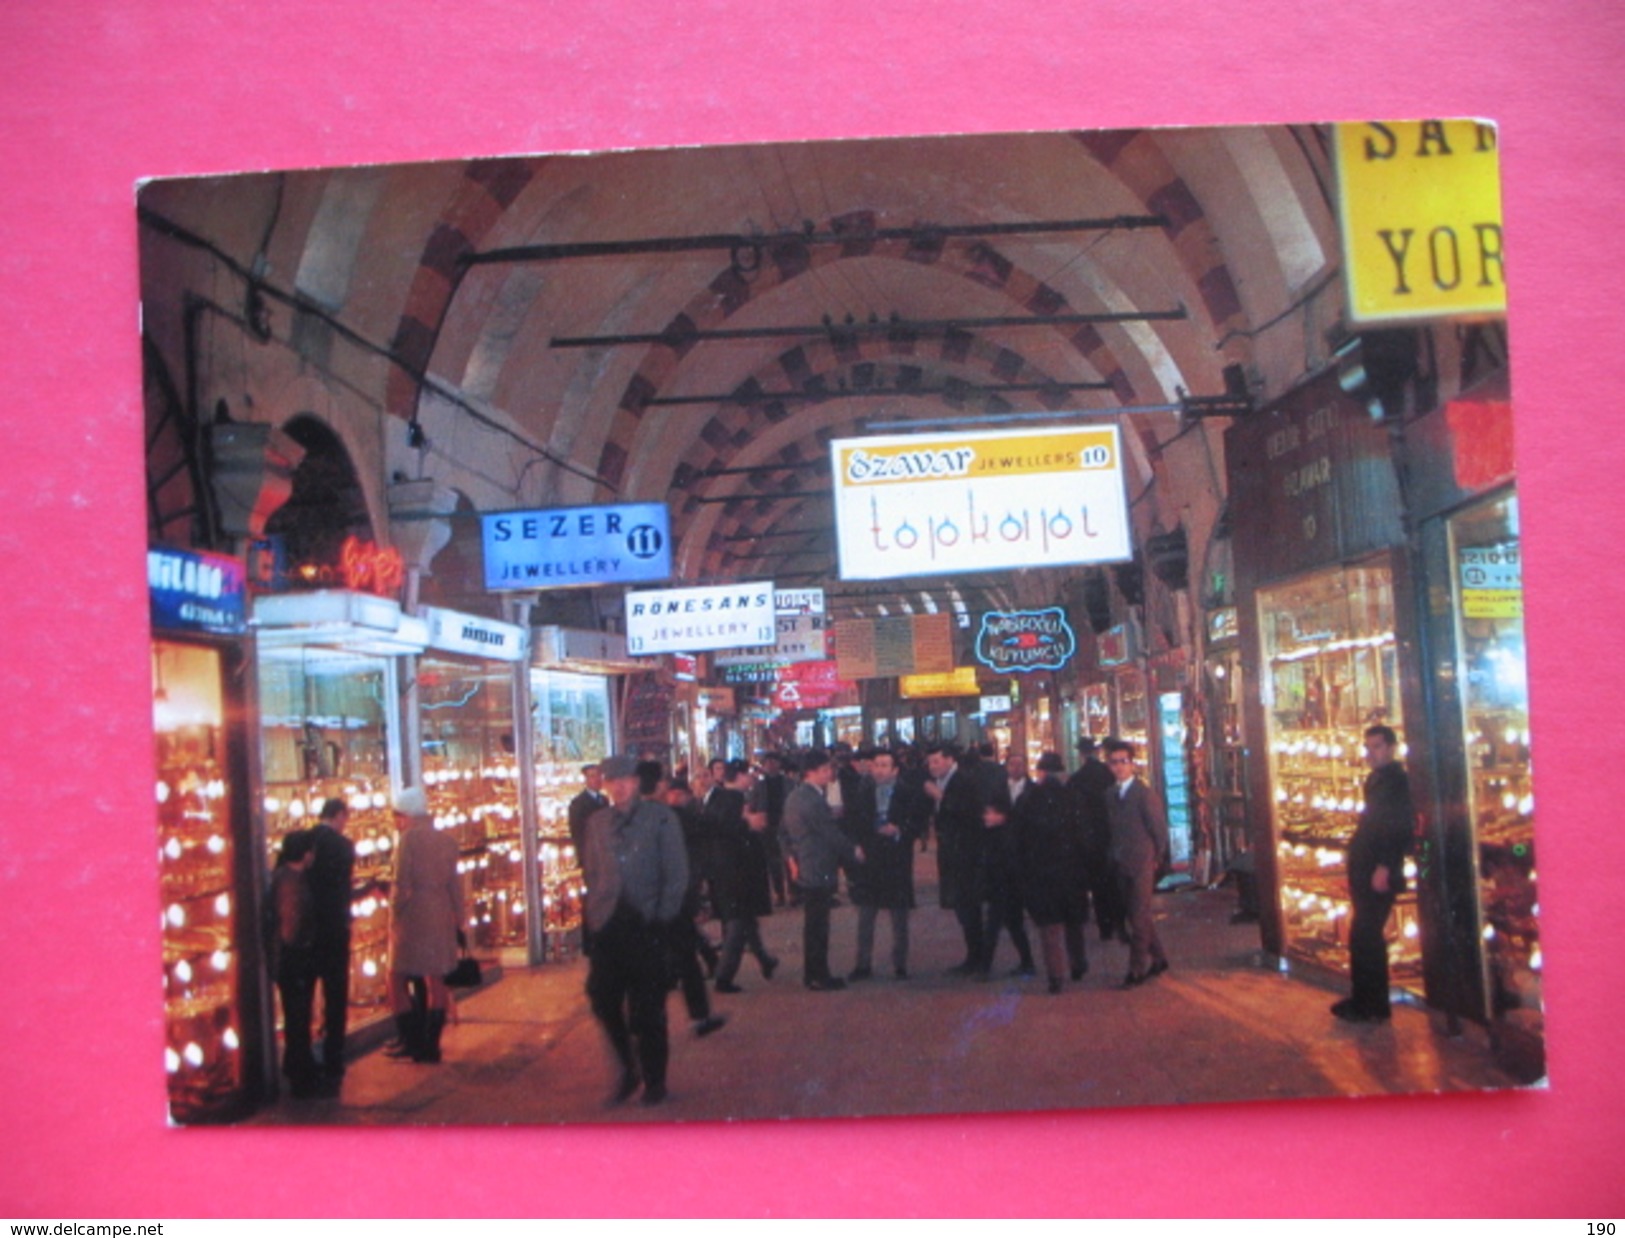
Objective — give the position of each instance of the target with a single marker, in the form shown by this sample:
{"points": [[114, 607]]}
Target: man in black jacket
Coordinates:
{"points": [[1376, 865], [959, 799], [895, 813], [1090, 784], [331, 877], [739, 890]]}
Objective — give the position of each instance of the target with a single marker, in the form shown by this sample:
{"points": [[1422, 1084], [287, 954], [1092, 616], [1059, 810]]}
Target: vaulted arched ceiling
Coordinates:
{"points": [[696, 324]]}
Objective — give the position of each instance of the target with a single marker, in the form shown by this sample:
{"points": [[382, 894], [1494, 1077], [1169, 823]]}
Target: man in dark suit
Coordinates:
{"points": [[739, 885], [895, 813], [819, 848], [331, 878], [1000, 880], [591, 799], [1139, 843], [1089, 785], [1376, 866], [959, 801]]}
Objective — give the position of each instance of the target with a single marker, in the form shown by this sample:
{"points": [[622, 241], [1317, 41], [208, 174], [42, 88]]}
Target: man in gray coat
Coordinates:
{"points": [[425, 918], [1139, 842], [636, 868], [819, 848]]}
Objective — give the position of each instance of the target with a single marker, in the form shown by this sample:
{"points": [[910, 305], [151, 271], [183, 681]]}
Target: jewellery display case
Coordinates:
{"points": [[197, 856], [471, 776], [1330, 671], [328, 731], [571, 728]]}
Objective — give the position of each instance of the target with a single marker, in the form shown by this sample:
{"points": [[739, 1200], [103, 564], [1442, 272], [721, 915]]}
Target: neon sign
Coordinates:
{"points": [[1016, 642], [364, 567]]}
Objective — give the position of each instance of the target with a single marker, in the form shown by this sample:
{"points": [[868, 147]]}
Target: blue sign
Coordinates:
{"points": [[196, 592], [560, 547], [1018, 641]]}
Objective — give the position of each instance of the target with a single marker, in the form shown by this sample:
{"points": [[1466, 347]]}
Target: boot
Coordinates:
{"points": [[408, 1035], [434, 1023]]}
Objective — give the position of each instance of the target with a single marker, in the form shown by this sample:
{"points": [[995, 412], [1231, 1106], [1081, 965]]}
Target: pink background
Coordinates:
{"points": [[95, 95]]}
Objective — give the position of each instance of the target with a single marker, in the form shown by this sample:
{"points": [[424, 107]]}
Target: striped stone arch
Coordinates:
{"points": [[1136, 160], [489, 188], [730, 291]]}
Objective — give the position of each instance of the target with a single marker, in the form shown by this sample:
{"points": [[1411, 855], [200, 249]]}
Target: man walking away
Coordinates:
{"points": [[637, 874]]}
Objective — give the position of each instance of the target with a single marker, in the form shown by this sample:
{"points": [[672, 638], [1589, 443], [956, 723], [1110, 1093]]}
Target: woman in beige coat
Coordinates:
{"points": [[426, 914]]}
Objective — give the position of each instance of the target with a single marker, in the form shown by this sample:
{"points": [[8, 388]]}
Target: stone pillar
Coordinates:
{"points": [[251, 474]]}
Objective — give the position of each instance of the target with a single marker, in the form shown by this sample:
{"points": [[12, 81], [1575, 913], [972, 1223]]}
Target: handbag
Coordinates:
{"points": [[467, 974]]}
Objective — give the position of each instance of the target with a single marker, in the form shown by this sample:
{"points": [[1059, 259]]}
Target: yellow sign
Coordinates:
{"points": [[1421, 216], [960, 682], [1492, 603], [868, 462]]}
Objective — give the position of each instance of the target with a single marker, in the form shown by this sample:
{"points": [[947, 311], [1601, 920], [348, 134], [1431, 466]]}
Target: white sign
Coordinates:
{"points": [[695, 620], [936, 504], [473, 634], [802, 627]]}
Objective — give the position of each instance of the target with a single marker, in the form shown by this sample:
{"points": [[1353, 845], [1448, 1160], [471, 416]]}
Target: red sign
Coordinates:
{"points": [[364, 567], [807, 685], [1483, 434]]}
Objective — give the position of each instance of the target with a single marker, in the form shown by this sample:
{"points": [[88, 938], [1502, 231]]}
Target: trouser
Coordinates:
{"points": [[1077, 957], [742, 933], [1368, 953], [866, 937], [1005, 913], [690, 975], [777, 877], [1062, 948], [1106, 892], [815, 904], [332, 967], [296, 983], [1144, 944], [968, 912], [626, 987]]}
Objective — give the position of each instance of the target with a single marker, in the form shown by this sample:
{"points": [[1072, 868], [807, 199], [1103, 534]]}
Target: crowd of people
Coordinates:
{"points": [[665, 853]]}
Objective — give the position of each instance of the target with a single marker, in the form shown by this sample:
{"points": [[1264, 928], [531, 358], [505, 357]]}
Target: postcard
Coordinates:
{"points": [[589, 589]]}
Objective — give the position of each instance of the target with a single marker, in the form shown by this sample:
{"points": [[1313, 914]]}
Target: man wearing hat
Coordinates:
{"points": [[1090, 784], [425, 916], [636, 868]]}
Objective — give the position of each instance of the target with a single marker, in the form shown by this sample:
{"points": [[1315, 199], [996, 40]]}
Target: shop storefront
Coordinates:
{"points": [[1479, 711], [1344, 623], [573, 722], [1224, 737], [214, 1052], [330, 727], [471, 762], [1316, 508]]}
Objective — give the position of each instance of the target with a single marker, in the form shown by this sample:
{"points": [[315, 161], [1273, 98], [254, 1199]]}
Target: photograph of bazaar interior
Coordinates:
{"points": [[587, 590]]}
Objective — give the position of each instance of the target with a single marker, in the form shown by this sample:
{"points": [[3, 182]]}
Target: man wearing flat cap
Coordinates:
{"points": [[636, 868]]}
